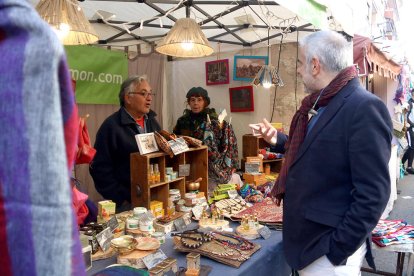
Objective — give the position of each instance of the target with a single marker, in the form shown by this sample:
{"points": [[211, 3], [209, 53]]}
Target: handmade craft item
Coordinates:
{"points": [[147, 243], [266, 211], [134, 258], [226, 248], [192, 141], [163, 144], [230, 207], [250, 233], [167, 135], [124, 244]]}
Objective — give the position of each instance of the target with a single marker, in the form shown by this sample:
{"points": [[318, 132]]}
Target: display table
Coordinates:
{"points": [[401, 250], [269, 260]]}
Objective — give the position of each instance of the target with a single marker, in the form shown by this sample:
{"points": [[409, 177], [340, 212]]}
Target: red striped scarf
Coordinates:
{"points": [[300, 122]]}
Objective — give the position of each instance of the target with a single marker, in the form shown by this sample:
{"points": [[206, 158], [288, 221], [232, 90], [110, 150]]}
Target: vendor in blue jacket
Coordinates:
{"points": [[334, 181], [115, 141]]}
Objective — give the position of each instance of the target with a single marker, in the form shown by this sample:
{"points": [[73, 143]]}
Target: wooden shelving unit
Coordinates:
{"points": [[197, 158], [251, 145]]}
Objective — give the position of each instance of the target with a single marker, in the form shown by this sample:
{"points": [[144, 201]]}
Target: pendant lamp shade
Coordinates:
{"points": [[68, 20], [185, 39], [267, 77]]}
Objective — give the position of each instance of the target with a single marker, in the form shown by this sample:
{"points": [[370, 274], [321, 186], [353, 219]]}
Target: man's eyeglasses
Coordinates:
{"points": [[143, 93]]}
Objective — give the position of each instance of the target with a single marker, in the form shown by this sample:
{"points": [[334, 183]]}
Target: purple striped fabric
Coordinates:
{"points": [[38, 119]]}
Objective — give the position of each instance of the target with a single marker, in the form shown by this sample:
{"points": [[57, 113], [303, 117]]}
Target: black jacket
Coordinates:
{"points": [[338, 185], [115, 141]]}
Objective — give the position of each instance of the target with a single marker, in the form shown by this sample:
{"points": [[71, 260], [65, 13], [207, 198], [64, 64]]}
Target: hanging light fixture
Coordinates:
{"points": [[185, 39], [268, 75], [68, 20]]}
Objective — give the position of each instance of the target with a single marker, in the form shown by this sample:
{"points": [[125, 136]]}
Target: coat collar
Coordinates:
{"points": [[331, 109], [126, 118]]}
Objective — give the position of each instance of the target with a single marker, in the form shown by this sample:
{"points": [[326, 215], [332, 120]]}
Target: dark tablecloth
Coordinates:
{"points": [[269, 260]]}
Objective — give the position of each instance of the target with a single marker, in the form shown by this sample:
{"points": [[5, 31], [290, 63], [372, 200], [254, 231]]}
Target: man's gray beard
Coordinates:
{"points": [[307, 90]]}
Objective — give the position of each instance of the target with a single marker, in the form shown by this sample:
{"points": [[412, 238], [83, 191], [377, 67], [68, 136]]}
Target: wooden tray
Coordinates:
{"points": [[207, 252], [100, 255]]}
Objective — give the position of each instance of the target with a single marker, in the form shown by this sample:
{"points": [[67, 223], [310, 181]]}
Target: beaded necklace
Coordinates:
{"points": [[192, 238], [241, 243]]}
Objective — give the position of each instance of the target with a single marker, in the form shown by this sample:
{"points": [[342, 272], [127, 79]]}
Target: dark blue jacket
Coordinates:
{"points": [[115, 141], [339, 183]]}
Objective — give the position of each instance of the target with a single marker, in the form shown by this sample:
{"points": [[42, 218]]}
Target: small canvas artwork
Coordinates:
{"points": [[146, 143], [246, 67], [217, 72], [241, 99]]}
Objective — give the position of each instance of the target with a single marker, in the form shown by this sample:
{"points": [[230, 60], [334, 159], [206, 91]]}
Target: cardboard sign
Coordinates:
{"points": [[252, 167], [104, 238], [180, 225], [153, 259], [178, 145], [113, 223], [184, 170], [197, 211], [146, 143], [264, 232]]}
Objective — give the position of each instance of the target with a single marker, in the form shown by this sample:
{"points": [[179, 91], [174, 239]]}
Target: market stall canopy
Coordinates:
{"points": [[231, 24], [370, 59]]}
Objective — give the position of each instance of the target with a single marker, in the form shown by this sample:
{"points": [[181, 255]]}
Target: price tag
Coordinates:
{"points": [[197, 211], [264, 232], [232, 194], [180, 225], [113, 223], [251, 167], [153, 259], [184, 170], [178, 145], [104, 238]]}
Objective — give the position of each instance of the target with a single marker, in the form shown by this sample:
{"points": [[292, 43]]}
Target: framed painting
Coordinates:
{"points": [[146, 143], [217, 72], [241, 99], [246, 67]]}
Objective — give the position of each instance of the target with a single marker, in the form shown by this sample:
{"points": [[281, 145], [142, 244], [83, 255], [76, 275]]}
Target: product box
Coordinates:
{"points": [[157, 208], [106, 208], [253, 159], [164, 227], [256, 179]]}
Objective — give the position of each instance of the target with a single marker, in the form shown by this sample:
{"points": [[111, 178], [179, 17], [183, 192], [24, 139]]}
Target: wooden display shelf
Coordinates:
{"points": [[251, 146], [197, 158]]}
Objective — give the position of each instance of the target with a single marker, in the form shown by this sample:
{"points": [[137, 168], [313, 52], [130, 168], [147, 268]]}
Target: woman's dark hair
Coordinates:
{"points": [[198, 92]]}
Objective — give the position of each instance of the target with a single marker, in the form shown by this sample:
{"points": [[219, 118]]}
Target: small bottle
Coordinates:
{"points": [[251, 222], [157, 177], [245, 223], [256, 222], [171, 207], [151, 174], [267, 169]]}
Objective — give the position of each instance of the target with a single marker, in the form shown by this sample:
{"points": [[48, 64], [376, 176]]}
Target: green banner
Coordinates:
{"points": [[309, 10], [98, 73]]}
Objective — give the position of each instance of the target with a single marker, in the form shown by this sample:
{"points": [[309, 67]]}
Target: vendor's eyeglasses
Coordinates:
{"points": [[145, 94]]}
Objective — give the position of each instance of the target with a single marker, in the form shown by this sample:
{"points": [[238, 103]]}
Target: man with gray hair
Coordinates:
{"points": [[115, 141], [334, 181]]}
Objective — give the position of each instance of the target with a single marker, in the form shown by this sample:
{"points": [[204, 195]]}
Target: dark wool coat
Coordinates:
{"points": [[115, 141], [339, 183]]}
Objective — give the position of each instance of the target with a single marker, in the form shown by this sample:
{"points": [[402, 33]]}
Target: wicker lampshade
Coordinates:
{"points": [[185, 39], [65, 15], [267, 77]]}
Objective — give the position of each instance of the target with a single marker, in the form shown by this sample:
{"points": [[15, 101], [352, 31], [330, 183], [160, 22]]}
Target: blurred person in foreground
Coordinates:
{"points": [[115, 141], [334, 181], [39, 122]]}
